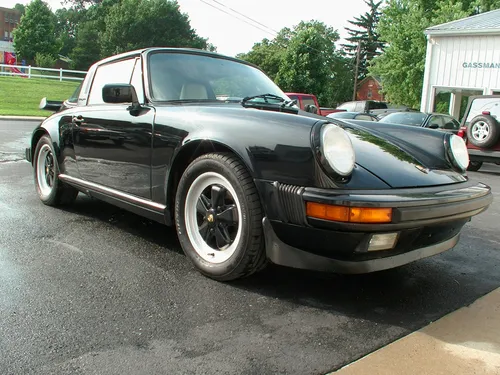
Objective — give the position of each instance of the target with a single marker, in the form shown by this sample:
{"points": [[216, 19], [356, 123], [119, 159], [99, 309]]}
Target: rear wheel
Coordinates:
{"points": [[474, 166], [50, 189], [219, 217]]}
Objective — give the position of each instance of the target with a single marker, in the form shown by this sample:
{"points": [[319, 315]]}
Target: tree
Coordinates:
{"points": [[84, 54], [36, 31], [308, 60], [304, 59], [401, 26], [67, 21], [21, 8], [133, 24], [366, 36], [268, 54]]}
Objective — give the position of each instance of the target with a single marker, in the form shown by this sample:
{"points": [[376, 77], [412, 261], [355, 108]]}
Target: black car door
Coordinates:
{"points": [[113, 144]]}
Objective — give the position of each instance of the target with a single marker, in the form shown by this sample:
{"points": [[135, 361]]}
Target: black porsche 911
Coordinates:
{"points": [[211, 145]]}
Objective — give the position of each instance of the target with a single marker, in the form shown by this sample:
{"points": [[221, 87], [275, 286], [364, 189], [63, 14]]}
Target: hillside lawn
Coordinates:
{"points": [[21, 96]]}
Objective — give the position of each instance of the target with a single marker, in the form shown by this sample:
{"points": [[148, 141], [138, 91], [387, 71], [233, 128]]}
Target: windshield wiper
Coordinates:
{"points": [[269, 96]]}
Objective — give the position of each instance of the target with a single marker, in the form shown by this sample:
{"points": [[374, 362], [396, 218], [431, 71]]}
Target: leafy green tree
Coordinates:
{"points": [[67, 23], [304, 59], [308, 60], [268, 54], [84, 54], [90, 25], [366, 36], [36, 32], [134, 24], [20, 7]]}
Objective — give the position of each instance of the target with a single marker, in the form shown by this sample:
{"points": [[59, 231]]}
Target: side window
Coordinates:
{"points": [[450, 123], [118, 72], [436, 120], [76, 94], [308, 101], [136, 81], [360, 107]]}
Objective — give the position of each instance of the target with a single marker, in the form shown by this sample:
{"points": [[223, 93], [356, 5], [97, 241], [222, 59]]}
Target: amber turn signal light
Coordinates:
{"points": [[369, 215]]}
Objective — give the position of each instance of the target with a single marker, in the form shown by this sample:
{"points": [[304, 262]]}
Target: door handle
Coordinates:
{"points": [[77, 120]]}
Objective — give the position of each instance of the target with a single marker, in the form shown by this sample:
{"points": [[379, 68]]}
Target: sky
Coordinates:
{"points": [[232, 33]]}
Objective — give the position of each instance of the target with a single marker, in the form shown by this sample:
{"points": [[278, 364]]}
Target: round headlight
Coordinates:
{"points": [[459, 151], [337, 149]]}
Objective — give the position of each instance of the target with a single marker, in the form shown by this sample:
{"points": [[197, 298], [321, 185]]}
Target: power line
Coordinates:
{"points": [[274, 33], [241, 14], [222, 10]]}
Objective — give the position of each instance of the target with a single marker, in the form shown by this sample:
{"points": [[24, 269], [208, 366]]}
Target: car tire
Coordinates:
{"points": [[51, 190], [474, 166], [218, 217], [483, 131]]}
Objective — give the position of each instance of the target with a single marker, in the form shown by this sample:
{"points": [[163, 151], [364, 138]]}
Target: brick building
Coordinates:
{"points": [[9, 19], [369, 89]]}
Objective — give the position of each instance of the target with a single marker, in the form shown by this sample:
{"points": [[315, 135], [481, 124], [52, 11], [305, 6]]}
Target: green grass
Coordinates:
{"points": [[21, 96]]}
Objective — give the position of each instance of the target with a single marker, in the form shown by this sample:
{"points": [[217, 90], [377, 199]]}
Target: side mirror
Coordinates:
{"points": [[119, 93], [50, 105], [433, 126], [311, 108]]}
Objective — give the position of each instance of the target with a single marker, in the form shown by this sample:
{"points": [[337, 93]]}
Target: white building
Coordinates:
{"points": [[463, 58]]}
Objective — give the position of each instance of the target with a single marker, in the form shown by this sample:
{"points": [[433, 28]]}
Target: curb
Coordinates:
{"points": [[22, 118]]}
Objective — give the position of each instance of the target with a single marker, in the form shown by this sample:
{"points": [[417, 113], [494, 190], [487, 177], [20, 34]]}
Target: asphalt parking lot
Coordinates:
{"points": [[95, 289]]}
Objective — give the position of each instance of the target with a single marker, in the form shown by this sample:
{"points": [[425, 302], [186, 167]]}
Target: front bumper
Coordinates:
{"points": [[280, 253], [427, 221]]}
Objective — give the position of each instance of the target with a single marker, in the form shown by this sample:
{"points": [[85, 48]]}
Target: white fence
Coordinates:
{"points": [[35, 72]]}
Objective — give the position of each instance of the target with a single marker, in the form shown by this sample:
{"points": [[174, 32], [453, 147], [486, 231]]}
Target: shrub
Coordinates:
{"points": [[45, 60]]}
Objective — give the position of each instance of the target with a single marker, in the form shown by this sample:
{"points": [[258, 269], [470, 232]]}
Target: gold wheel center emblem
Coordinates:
{"points": [[210, 218]]}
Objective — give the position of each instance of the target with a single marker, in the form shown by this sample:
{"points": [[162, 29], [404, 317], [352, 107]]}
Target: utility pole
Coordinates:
{"points": [[358, 52]]}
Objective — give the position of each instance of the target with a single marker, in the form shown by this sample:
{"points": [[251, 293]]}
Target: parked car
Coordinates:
{"points": [[251, 178], [353, 116], [374, 107], [309, 103], [481, 129], [425, 120]]}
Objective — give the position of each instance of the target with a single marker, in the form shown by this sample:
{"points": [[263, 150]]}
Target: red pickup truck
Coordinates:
{"points": [[309, 103], [481, 130]]}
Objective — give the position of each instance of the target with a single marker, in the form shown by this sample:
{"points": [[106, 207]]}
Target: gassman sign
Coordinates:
{"points": [[480, 65]]}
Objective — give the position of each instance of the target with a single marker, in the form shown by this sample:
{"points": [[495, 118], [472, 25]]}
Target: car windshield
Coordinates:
{"points": [[196, 77], [480, 105], [405, 118]]}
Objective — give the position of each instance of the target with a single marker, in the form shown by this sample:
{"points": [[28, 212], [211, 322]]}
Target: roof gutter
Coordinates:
{"points": [[474, 32]]}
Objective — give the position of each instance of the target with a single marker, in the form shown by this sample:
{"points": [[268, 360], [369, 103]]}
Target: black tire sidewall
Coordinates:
{"points": [[52, 197], [494, 134], [197, 168], [474, 166]]}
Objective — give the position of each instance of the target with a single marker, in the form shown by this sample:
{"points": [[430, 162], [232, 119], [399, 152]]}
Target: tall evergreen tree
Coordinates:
{"points": [[366, 36]]}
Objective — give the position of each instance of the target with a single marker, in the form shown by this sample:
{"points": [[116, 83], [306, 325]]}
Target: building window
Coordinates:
{"points": [[369, 95]]}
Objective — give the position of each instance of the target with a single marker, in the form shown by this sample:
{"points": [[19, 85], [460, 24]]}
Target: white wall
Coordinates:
{"points": [[6, 46], [461, 63]]}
